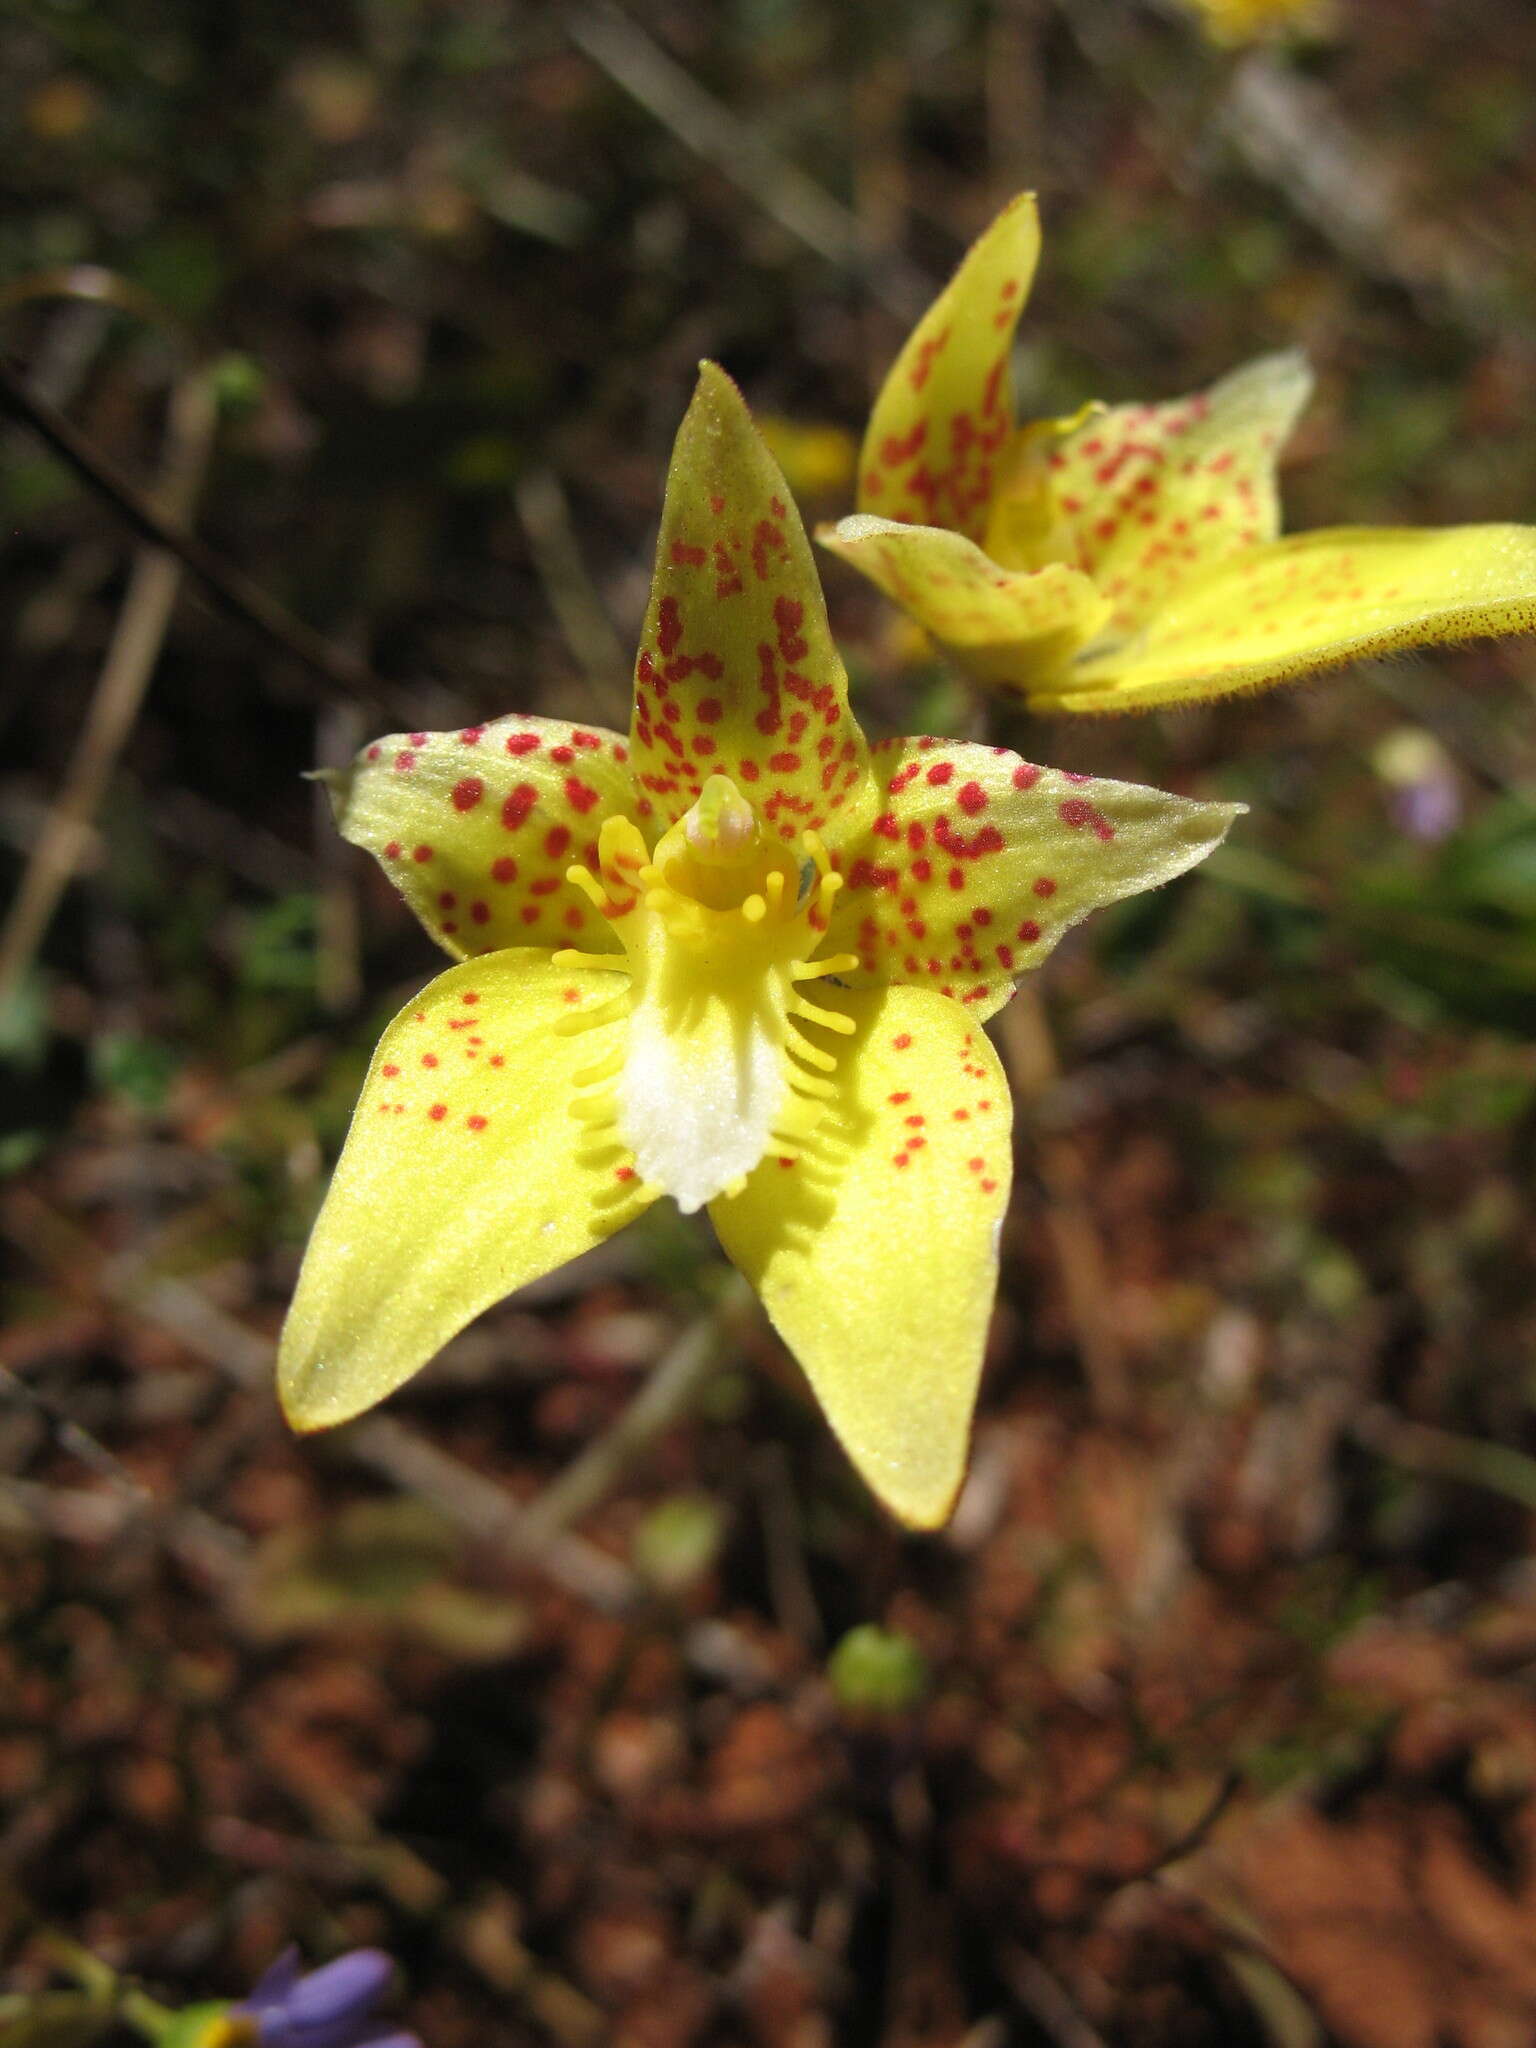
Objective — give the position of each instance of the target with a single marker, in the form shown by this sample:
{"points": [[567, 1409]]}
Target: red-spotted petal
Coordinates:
{"points": [[737, 672], [978, 862], [875, 1249], [944, 416], [477, 828], [468, 1172], [1147, 497]]}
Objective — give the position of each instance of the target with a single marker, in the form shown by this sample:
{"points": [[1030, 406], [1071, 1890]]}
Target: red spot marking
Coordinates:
{"points": [[669, 627], [438, 1111], [788, 614], [570, 995], [901, 1095], [957, 878], [472, 735], [750, 771], [916, 1122], [972, 798], [902, 1041], [783, 764], [1029, 931], [421, 853], [517, 806], [989, 1187], [476, 1123], [504, 870], [623, 1173], [1005, 956], [389, 1072], [899, 1159], [1076, 811], [961, 1116], [447, 900], [405, 761], [374, 751], [1045, 885], [708, 710], [523, 743], [392, 851], [1026, 775], [976, 1165], [581, 796], [467, 794], [765, 536], [480, 911], [940, 772], [685, 557], [564, 755], [498, 1059], [916, 1144]]}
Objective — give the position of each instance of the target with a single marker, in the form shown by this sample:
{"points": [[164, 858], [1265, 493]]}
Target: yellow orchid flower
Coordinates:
{"points": [[1234, 22], [1130, 556], [742, 959]]}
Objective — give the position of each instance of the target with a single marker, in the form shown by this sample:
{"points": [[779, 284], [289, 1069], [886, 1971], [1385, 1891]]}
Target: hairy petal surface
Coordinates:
{"points": [[737, 671], [476, 828], [1314, 601], [875, 1251], [945, 413], [978, 863], [1003, 626], [463, 1177], [1147, 497]]}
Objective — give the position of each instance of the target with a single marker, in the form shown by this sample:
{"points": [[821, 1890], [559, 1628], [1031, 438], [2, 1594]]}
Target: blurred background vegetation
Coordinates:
{"points": [[1211, 1719]]}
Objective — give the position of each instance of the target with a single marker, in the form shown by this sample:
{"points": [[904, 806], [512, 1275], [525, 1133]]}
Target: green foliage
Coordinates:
{"points": [[876, 1670]]}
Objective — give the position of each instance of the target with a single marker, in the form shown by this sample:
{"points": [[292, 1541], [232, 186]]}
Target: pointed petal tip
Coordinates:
{"points": [[923, 1513]]}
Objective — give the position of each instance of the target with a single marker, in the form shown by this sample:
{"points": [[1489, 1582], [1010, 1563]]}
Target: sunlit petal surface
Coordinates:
{"points": [[875, 1251], [464, 1176]]}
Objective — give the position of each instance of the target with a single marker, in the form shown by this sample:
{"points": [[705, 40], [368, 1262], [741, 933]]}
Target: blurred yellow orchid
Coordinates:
{"points": [[637, 925], [1129, 556], [1234, 22]]}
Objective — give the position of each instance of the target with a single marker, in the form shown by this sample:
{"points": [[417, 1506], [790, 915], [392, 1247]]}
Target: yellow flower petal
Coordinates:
{"points": [[979, 862], [1005, 627], [1314, 601], [465, 1175], [875, 1251], [476, 828], [737, 671], [945, 413], [1149, 496]]}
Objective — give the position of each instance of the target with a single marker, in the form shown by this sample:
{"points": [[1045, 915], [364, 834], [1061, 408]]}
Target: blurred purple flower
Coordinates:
{"points": [[1425, 790], [330, 2007], [1428, 810]]}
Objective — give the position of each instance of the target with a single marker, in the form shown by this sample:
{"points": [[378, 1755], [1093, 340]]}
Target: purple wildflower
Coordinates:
{"points": [[331, 2007]]}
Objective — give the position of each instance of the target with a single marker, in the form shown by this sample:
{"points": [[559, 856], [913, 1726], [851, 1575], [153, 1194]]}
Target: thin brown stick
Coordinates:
{"points": [[719, 134], [667, 1394], [235, 592], [130, 662], [536, 1534]]}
